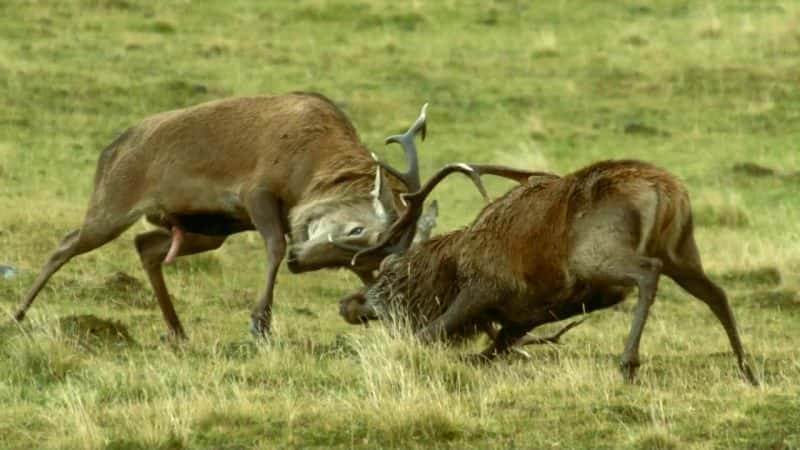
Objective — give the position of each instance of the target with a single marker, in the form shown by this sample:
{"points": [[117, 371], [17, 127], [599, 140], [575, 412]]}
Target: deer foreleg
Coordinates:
{"points": [[469, 304], [265, 212]]}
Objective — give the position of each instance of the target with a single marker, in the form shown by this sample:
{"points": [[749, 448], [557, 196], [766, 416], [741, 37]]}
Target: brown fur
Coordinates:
{"points": [[226, 166], [549, 249]]}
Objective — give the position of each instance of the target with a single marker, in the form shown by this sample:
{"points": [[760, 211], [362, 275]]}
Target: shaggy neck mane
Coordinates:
{"points": [[420, 285], [349, 173]]}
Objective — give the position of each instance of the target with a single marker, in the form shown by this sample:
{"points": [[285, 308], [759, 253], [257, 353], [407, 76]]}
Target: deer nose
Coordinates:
{"points": [[292, 262]]}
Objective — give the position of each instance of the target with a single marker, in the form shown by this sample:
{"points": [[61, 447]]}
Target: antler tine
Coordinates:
{"points": [[474, 171], [518, 175], [406, 140], [399, 236], [554, 339], [403, 228]]}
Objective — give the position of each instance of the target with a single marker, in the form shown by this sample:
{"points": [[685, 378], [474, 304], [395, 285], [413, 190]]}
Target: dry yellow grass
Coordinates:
{"points": [[692, 86]]}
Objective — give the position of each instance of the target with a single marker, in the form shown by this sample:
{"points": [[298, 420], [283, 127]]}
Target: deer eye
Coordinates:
{"points": [[355, 231]]}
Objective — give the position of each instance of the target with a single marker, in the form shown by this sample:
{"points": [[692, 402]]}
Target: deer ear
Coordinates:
{"points": [[426, 222], [383, 198]]}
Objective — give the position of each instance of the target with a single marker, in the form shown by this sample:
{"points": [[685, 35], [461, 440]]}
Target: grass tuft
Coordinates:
{"points": [[545, 45], [39, 354], [658, 441], [718, 209]]}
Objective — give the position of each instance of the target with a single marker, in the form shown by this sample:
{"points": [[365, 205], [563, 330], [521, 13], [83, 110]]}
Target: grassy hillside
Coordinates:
{"points": [[696, 87]]}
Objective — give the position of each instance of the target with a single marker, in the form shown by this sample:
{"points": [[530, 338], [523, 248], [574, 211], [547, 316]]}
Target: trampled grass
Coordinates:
{"points": [[696, 87]]}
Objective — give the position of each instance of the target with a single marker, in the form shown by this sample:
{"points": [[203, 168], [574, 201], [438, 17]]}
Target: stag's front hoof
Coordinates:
{"points": [[628, 370], [18, 316], [748, 374], [259, 326], [173, 338]]}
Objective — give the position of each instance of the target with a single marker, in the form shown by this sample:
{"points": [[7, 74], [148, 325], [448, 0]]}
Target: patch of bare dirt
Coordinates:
{"points": [[127, 290], [752, 169], [90, 329]]}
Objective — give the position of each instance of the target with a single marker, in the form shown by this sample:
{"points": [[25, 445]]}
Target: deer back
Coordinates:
{"points": [[281, 142], [629, 203]]}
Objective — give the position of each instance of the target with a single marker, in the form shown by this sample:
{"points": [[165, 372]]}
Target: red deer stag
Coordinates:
{"points": [[281, 165], [406, 297], [551, 248]]}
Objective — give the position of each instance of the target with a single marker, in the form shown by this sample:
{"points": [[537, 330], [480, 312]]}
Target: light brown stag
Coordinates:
{"points": [[285, 165], [551, 248]]}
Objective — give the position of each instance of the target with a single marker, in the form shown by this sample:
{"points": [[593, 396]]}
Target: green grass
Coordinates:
{"points": [[695, 87]]}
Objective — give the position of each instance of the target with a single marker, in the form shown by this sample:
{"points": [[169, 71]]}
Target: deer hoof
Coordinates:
{"points": [[260, 328], [172, 338], [628, 370], [747, 372], [19, 316]]}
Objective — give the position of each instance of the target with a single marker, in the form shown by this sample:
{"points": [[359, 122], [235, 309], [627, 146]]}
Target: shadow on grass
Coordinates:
{"points": [[759, 276], [783, 299]]}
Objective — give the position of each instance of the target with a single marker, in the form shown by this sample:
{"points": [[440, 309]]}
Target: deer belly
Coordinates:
{"points": [[212, 224], [215, 223], [209, 212]]}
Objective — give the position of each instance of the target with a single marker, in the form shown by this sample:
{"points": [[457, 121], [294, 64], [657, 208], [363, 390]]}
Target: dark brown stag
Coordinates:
{"points": [[286, 165], [551, 248]]}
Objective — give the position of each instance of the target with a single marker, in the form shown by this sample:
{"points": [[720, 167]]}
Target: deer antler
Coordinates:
{"points": [[411, 177], [400, 235], [554, 339]]}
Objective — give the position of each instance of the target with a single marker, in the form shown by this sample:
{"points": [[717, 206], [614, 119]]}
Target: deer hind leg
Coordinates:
{"points": [[153, 247], [608, 255], [626, 268], [644, 272], [686, 269], [92, 234]]}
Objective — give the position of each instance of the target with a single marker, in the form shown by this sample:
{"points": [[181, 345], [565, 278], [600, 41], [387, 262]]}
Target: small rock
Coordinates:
{"points": [[643, 129], [8, 272], [753, 169], [303, 311], [757, 170]]}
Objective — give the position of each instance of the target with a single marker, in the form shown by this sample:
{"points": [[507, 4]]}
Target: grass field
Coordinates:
{"points": [[696, 87]]}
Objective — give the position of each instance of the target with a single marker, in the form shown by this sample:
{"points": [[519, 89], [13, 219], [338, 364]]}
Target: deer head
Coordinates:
{"points": [[399, 237], [328, 232]]}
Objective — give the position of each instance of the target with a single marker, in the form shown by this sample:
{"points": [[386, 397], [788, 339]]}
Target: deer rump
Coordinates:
{"points": [[552, 248]]}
